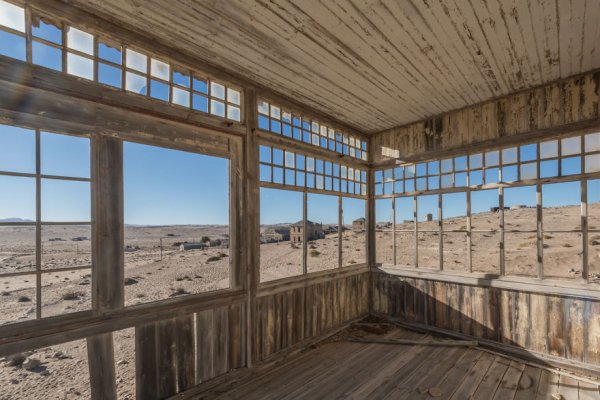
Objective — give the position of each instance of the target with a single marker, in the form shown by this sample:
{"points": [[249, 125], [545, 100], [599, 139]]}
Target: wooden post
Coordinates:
{"points": [[250, 241], [108, 257]]}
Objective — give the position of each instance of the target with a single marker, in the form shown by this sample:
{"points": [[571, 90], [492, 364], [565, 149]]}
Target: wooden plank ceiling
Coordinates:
{"points": [[375, 64]]}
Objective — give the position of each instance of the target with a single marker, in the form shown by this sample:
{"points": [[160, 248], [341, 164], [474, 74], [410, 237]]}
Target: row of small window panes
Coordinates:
{"points": [[485, 168], [127, 69], [289, 168], [274, 119]]}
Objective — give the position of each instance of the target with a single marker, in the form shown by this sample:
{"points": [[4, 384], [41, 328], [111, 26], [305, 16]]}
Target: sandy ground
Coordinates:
{"points": [[284, 259], [561, 250], [63, 372]]}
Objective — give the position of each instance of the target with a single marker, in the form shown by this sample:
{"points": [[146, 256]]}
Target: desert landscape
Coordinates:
{"points": [[60, 372], [562, 251]]}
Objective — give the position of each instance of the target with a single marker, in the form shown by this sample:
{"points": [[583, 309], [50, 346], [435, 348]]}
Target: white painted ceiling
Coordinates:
{"points": [[380, 63]]}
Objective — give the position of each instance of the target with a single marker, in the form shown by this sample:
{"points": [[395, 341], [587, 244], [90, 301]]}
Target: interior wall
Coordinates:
{"points": [[567, 104], [535, 324]]}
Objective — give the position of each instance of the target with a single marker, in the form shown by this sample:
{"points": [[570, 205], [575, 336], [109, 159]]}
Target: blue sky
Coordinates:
{"points": [[164, 186]]}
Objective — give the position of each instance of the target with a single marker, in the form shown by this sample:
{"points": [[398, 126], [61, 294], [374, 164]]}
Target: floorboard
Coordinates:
{"points": [[341, 369]]}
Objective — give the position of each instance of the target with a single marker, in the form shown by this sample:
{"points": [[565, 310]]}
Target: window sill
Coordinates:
{"points": [[525, 284]]}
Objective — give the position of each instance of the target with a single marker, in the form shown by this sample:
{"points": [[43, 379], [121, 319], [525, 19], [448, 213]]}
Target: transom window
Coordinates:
{"points": [[278, 120], [528, 210], [64, 48]]}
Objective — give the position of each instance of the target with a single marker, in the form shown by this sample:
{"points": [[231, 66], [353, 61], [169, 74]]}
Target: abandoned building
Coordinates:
{"points": [[462, 138], [359, 224], [276, 234], [314, 231]]}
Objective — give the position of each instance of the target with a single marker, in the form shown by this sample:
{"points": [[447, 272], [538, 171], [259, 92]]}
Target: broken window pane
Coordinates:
{"points": [[282, 237]]}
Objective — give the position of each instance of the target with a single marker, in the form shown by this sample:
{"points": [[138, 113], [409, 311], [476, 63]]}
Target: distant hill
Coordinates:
{"points": [[5, 220]]}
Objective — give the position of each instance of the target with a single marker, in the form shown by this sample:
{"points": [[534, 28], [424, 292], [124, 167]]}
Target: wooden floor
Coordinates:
{"points": [[348, 370]]}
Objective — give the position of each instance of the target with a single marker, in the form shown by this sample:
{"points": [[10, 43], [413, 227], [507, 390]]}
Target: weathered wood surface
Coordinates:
{"points": [[287, 318], [344, 370], [561, 326], [173, 355], [566, 105], [380, 63]]}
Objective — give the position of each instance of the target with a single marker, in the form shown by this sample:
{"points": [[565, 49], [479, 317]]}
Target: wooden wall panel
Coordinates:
{"points": [[293, 316], [176, 354], [566, 327], [546, 108]]}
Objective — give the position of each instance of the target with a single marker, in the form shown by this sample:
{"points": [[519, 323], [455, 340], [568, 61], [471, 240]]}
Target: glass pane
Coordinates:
{"points": [[13, 46], [64, 155], [322, 232], [429, 250], [137, 61], [17, 199], [12, 16], [427, 212], [17, 299], [217, 108], [176, 231], [65, 201], [160, 69], [17, 149], [233, 96], [405, 248], [80, 66], [201, 85], [383, 237], [571, 146], [66, 246], [492, 158], [66, 292], [485, 252], [233, 113], [520, 256], [562, 255], [509, 156], [475, 161], [549, 149], [455, 251], [80, 40], [485, 209], [17, 249], [528, 171], [592, 142], [46, 56], [181, 97], [561, 206], [217, 90], [109, 75], [281, 234], [592, 163], [520, 208], [46, 29], [135, 83], [447, 165], [454, 211], [354, 232]]}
